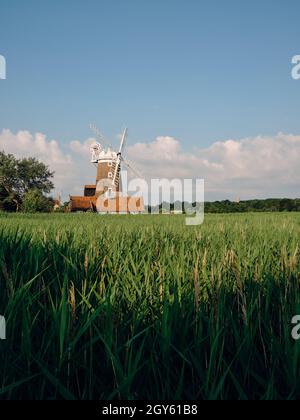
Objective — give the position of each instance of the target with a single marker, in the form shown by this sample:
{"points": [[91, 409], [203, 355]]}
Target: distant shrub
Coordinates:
{"points": [[36, 202]]}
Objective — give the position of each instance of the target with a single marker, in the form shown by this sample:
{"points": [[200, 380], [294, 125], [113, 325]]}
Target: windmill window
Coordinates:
{"points": [[110, 175], [110, 163]]}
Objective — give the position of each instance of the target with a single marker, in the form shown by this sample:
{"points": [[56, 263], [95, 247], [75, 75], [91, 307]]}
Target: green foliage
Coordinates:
{"points": [[64, 208], [268, 205], [226, 206], [35, 202], [18, 176], [8, 200], [133, 307]]}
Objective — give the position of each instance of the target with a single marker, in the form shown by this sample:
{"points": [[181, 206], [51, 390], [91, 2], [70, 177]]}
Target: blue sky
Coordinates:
{"points": [[198, 71]]}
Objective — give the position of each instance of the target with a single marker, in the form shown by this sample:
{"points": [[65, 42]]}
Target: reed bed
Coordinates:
{"points": [[143, 307]]}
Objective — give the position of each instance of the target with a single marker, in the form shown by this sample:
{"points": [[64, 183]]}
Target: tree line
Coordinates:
{"points": [[267, 205], [227, 206]]}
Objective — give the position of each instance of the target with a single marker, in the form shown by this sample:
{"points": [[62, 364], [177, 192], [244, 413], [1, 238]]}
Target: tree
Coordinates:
{"points": [[18, 176], [8, 200], [35, 202], [8, 182]]}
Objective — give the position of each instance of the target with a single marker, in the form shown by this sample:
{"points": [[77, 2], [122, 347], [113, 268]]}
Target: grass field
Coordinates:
{"points": [[132, 307]]}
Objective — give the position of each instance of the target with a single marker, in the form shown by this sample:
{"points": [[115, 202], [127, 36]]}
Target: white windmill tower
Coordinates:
{"points": [[109, 163]]}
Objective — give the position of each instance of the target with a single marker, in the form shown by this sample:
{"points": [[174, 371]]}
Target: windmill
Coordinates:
{"points": [[115, 159], [108, 185]]}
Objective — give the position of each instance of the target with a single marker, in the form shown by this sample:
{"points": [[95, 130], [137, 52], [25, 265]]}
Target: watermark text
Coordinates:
{"points": [[186, 196], [2, 328], [296, 329], [296, 68], [2, 68]]}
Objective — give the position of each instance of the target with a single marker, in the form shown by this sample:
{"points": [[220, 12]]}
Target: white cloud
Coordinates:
{"points": [[24, 144], [71, 172], [81, 148], [261, 166]]}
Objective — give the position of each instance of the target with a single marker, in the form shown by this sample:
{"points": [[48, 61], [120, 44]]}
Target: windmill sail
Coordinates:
{"points": [[116, 168], [117, 164]]}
